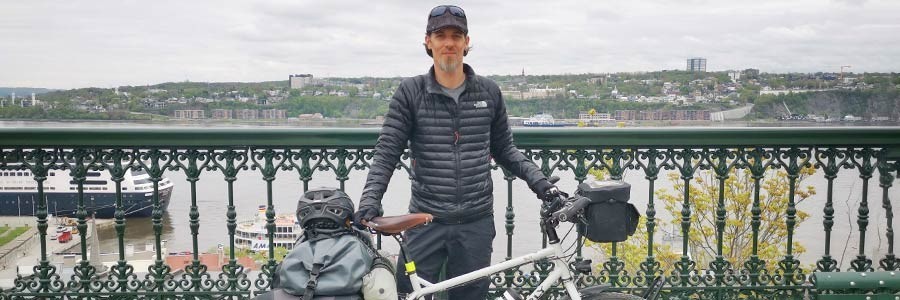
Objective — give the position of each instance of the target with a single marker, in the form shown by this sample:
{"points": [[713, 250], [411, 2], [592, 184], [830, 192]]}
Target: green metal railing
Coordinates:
{"points": [[309, 153]]}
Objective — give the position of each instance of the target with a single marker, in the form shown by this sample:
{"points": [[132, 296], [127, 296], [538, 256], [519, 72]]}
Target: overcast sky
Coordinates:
{"points": [[105, 43]]}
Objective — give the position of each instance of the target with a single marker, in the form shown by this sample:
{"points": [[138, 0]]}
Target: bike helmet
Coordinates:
{"points": [[324, 208]]}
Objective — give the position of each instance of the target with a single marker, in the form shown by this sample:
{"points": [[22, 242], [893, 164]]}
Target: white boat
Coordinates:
{"points": [[251, 234], [543, 120]]}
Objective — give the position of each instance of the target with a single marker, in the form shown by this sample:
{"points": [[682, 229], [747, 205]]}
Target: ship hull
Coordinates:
{"points": [[66, 204]]}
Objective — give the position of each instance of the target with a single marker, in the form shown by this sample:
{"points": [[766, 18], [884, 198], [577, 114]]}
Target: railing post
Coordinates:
{"points": [[862, 159], [830, 161], [885, 167], [655, 159]]}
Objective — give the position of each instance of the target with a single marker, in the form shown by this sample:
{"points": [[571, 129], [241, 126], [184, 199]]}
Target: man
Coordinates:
{"points": [[454, 122]]}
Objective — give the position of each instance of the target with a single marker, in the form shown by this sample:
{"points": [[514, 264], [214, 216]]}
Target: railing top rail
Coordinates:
{"points": [[525, 137]]}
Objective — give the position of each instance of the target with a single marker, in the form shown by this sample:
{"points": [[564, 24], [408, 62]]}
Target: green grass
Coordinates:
{"points": [[3, 229], [12, 235]]}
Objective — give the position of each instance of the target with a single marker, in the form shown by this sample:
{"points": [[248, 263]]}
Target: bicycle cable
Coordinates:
{"points": [[569, 248]]}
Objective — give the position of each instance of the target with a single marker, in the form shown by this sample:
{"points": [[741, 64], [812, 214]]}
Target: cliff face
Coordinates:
{"points": [[866, 104]]}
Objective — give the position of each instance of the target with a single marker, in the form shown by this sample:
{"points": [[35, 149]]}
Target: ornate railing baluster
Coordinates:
{"points": [[650, 161], [79, 161], [722, 162], [686, 161], [230, 162], [863, 160], [830, 161], [506, 279], [797, 159], [39, 162], [195, 276], [885, 167], [155, 162], [122, 277], [757, 160], [272, 161]]}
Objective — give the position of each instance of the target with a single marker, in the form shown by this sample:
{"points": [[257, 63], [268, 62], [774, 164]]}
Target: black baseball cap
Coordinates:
{"points": [[446, 16]]}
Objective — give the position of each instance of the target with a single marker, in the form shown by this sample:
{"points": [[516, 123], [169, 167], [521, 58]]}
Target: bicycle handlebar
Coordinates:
{"points": [[570, 209]]}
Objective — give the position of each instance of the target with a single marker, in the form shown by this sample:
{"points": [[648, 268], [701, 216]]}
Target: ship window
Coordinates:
{"points": [[124, 188], [18, 173], [90, 182], [142, 181], [52, 173], [93, 174]]}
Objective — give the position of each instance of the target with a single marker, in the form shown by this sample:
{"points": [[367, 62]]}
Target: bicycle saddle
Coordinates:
{"points": [[396, 224]]}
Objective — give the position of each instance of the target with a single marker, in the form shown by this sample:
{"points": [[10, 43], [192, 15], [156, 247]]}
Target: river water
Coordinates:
{"points": [[250, 191]]}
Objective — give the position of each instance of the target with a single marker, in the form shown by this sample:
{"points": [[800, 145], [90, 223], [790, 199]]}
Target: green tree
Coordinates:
{"points": [[737, 234]]}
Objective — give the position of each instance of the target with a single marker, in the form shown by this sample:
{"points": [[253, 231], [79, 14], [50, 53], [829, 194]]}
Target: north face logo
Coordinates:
{"points": [[481, 104]]}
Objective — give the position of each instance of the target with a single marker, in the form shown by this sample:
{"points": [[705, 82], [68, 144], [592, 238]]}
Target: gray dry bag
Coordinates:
{"points": [[332, 266]]}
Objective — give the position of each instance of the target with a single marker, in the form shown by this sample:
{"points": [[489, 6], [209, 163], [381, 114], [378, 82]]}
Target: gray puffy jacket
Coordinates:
{"points": [[451, 146]]}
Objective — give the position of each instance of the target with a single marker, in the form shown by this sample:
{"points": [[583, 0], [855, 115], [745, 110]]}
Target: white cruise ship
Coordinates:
{"points": [[19, 197]]}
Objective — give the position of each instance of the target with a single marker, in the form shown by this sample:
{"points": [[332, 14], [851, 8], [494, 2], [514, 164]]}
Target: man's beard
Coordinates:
{"points": [[448, 65]]}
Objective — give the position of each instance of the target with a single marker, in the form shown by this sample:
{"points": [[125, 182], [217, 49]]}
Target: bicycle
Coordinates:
{"points": [[561, 209]]}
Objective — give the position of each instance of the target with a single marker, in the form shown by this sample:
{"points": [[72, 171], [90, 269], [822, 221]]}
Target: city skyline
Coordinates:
{"points": [[111, 43]]}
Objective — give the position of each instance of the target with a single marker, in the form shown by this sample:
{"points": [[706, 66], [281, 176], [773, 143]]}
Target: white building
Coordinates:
{"points": [[300, 80]]}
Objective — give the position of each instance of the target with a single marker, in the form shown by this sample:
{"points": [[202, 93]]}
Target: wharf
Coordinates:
{"points": [[24, 251]]}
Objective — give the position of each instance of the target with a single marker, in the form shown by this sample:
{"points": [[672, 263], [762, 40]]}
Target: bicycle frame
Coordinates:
{"points": [[561, 271], [554, 251]]}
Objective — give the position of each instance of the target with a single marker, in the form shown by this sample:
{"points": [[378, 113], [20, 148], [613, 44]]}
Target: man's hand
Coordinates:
{"points": [[545, 190], [365, 213]]}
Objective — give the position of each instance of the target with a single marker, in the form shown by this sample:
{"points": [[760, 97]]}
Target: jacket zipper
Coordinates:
{"points": [[456, 153]]}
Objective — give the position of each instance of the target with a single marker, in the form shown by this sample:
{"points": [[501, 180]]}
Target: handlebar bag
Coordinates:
{"points": [[609, 217]]}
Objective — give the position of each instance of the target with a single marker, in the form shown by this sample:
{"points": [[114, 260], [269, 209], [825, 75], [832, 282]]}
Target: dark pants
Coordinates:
{"points": [[465, 247]]}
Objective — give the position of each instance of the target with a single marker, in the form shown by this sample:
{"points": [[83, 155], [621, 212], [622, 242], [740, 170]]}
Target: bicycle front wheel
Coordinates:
{"points": [[607, 296]]}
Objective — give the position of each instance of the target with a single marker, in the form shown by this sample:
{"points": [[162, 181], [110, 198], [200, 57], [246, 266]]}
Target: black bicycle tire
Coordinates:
{"points": [[607, 296]]}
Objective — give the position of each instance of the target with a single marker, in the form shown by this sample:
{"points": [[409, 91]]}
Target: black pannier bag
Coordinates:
{"points": [[609, 217]]}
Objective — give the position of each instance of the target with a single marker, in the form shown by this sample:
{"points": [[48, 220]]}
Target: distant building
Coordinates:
{"points": [[190, 114], [221, 114], [696, 64], [663, 115], [751, 73], [586, 116], [246, 114], [512, 94], [545, 93], [273, 114], [626, 115], [299, 81], [734, 75]]}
